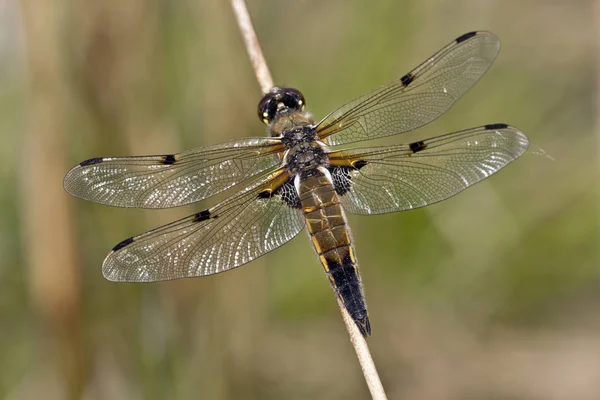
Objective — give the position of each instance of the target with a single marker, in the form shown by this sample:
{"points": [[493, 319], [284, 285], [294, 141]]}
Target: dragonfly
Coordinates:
{"points": [[298, 178]]}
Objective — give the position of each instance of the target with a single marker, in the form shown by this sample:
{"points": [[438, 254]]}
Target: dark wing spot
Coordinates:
{"points": [[495, 126], [202, 216], [265, 194], [341, 176], [359, 164], [287, 191], [169, 159], [91, 161], [407, 79], [417, 146], [122, 244], [466, 36], [341, 179]]}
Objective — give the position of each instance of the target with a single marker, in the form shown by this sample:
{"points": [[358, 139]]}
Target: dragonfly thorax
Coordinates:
{"points": [[298, 135], [305, 156]]}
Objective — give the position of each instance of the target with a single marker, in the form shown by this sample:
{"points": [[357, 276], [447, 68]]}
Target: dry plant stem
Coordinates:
{"points": [[266, 83], [364, 356], [263, 75]]}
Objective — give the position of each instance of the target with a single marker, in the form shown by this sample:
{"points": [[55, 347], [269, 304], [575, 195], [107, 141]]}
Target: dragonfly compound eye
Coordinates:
{"points": [[279, 101], [267, 107], [293, 99]]}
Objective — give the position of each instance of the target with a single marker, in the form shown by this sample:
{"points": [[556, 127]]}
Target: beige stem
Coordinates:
{"points": [[266, 83]]}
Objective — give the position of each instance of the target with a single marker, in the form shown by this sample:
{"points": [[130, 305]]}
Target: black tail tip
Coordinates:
{"points": [[364, 326]]}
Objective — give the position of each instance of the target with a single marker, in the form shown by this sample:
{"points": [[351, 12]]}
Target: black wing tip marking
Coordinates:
{"points": [[122, 244], [466, 36], [491, 127], [203, 216], [407, 79], [91, 161], [169, 159], [417, 146]]}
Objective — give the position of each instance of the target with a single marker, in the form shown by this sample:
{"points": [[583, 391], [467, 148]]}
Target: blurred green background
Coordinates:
{"points": [[493, 294]]}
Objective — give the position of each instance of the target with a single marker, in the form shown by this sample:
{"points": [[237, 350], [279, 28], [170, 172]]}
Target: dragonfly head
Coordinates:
{"points": [[278, 102]]}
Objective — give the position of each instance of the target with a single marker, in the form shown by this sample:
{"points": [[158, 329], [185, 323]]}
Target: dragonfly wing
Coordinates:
{"points": [[387, 179], [172, 180], [260, 218], [418, 97]]}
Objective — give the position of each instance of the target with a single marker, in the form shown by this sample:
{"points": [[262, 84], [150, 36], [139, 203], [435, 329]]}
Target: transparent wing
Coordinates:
{"points": [[171, 180], [418, 97], [260, 218], [380, 180]]}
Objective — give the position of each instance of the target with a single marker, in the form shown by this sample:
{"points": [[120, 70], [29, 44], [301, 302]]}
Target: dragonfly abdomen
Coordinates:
{"points": [[330, 235]]}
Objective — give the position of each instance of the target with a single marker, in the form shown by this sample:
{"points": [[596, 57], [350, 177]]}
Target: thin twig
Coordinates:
{"points": [[364, 355], [266, 83], [252, 45]]}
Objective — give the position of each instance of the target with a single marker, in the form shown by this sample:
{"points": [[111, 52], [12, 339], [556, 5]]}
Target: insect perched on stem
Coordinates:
{"points": [[294, 180]]}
